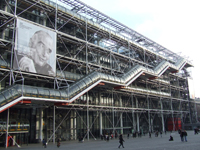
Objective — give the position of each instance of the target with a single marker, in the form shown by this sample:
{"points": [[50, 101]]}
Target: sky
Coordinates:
{"points": [[174, 24]]}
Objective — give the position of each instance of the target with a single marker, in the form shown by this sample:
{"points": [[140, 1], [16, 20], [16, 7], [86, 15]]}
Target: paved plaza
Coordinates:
{"points": [[143, 143]]}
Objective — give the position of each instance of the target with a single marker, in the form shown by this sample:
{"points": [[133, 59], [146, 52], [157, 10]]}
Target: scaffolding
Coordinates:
{"points": [[109, 79]]}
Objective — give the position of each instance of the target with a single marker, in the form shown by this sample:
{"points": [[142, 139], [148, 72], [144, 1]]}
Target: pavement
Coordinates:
{"points": [[138, 143]]}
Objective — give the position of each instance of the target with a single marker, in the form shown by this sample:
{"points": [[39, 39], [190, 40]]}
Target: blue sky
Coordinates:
{"points": [[174, 24]]}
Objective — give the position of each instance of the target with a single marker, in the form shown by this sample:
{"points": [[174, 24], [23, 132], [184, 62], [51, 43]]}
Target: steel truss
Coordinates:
{"points": [[87, 41]]}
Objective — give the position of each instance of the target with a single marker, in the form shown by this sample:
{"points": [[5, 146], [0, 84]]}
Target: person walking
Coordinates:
{"points": [[181, 135], [185, 136], [44, 143], [58, 142], [121, 140], [149, 134]]}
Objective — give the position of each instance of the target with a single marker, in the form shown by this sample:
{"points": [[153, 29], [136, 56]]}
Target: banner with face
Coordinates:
{"points": [[35, 49]]}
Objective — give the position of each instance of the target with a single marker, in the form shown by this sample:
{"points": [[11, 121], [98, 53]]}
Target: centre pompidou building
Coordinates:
{"points": [[69, 71]]}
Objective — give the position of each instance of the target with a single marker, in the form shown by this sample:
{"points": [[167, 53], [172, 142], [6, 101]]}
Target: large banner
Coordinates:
{"points": [[35, 49]]}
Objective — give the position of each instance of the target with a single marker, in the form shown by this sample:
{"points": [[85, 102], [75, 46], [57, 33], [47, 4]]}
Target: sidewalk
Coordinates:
{"points": [[143, 143]]}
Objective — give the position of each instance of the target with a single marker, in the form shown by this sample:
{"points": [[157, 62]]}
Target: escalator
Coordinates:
{"points": [[16, 93]]}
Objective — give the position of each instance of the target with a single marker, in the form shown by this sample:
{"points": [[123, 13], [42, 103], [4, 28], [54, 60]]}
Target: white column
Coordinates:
{"points": [[137, 115], [75, 125], [41, 124], [121, 115], [113, 114], [172, 115], [7, 123], [162, 116], [100, 122], [133, 115], [121, 122], [54, 121], [88, 126], [149, 117], [100, 113]]}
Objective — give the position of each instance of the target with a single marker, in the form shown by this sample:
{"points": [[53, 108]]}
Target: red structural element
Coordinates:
{"points": [[152, 78], [175, 71], [25, 102], [101, 83], [173, 123], [61, 104], [8, 141], [119, 87]]}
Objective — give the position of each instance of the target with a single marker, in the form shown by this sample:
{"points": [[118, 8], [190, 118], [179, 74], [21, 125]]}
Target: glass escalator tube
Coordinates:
{"points": [[101, 76], [91, 78], [127, 76], [158, 67], [104, 77], [19, 88], [13, 92], [63, 95], [118, 79], [52, 93], [7, 95], [46, 93], [57, 94], [110, 78], [114, 79], [27, 91], [87, 81], [83, 84], [94, 76], [73, 89], [2, 99], [40, 92], [163, 66], [131, 74]]}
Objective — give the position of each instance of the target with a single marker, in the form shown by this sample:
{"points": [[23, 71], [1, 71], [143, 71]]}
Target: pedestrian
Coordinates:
{"points": [[160, 133], [107, 138], [58, 142], [149, 134], [44, 143], [101, 137], [181, 135], [185, 136], [171, 138], [121, 140], [128, 136]]}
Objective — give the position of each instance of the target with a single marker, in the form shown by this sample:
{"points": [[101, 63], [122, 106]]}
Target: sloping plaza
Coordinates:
{"points": [[143, 143]]}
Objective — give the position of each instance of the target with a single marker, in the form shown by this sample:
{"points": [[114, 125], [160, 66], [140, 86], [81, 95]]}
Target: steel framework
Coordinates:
{"points": [[109, 78]]}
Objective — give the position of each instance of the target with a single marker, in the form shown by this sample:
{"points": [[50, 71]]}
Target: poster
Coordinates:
{"points": [[35, 49]]}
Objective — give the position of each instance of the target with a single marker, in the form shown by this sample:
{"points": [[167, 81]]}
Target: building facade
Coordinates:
{"points": [[69, 71]]}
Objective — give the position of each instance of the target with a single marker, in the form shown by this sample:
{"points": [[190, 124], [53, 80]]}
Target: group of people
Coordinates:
{"points": [[106, 137], [183, 135], [156, 133], [44, 143]]}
